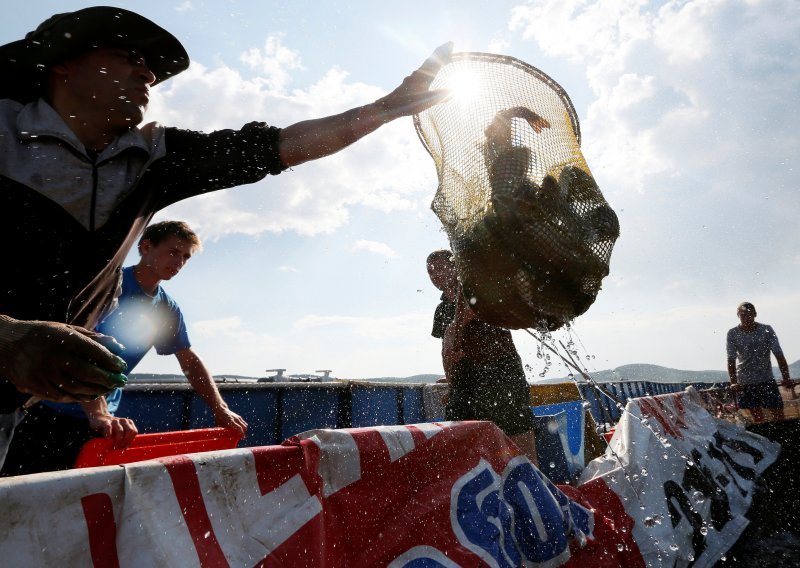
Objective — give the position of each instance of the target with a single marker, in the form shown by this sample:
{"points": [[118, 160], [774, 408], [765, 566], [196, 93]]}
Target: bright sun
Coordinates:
{"points": [[464, 85]]}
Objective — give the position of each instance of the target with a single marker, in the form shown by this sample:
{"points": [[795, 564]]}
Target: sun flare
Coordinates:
{"points": [[464, 85]]}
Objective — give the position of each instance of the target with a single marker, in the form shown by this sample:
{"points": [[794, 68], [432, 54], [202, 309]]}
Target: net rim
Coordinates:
{"points": [[519, 64]]}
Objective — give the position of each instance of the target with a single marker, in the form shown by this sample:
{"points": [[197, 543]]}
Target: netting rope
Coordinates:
{"points": [[530, 230]]}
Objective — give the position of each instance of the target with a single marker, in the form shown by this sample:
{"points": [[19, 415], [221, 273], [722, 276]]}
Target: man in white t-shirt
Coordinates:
{"points": [[749, 345]]}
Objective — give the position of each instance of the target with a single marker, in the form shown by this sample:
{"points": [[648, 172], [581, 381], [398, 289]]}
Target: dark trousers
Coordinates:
{"points": [[46, 440], [494, 391]]}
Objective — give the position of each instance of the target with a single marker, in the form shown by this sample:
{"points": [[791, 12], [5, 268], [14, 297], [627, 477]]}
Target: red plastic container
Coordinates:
{"points": [[98, 451]]}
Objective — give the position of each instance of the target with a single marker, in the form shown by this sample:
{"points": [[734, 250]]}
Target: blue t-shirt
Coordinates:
{"points": [[140, 322]]}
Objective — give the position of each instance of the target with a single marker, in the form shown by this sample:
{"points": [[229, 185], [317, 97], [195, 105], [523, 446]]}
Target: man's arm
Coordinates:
{"points": [[730, 350], [202, 382], [56, 361], [313, 139], [732, 371], [784, 367], [122, 431]]}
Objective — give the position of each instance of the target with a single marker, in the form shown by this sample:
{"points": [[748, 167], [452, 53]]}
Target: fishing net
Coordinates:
{"points": [[529, 229]]}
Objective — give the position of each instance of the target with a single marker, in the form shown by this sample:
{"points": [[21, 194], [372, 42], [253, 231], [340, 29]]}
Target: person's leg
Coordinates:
{"points": [[770, 396], [504, 398], [462, 403], [526, 441], [46, 440], [8, 424]]}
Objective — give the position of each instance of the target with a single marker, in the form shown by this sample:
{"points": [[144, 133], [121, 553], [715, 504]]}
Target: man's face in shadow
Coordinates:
{"points": [[747, 315], [443, 275]]}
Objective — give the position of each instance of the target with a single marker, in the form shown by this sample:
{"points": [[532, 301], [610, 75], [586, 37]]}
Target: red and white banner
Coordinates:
{"points": [[444, 495], [686, 478], [418, 496]]}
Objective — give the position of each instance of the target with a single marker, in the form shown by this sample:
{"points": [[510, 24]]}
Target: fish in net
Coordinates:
{"points": [[530, 231]]}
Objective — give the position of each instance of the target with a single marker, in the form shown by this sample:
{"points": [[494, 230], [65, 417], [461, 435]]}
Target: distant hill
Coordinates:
{"points": [[626, 373], [658, 374], [411, 379]]}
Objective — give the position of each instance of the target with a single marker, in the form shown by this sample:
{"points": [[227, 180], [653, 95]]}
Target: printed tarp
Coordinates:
{"points": [[417, 496], [449, 494], [686, 478]]}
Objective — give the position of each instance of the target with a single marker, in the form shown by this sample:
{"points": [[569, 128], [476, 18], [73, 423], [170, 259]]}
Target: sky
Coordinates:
{"points": [[689, 125]]}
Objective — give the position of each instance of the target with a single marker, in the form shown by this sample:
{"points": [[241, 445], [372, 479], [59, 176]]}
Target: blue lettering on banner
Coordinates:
{"points": [[423, 557], [423, 563], [519, 516]]}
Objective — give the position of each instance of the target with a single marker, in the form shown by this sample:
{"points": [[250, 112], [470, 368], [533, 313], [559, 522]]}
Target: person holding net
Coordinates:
{"points": [[81, 177]]}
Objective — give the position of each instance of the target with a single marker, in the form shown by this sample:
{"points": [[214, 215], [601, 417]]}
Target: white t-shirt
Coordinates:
{"points": [[751, 350]]}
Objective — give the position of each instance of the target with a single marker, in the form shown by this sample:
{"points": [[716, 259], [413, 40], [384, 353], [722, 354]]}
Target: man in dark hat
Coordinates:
{"points": [[80, 178]]}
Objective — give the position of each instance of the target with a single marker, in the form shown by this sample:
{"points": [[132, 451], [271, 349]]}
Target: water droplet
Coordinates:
{"points": [[620, 547]]}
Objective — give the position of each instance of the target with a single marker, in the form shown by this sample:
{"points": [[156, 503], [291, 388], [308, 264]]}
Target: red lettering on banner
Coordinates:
{"points": [[187, 489], [98, 511], [650, 407], [680, 411], [417, 435], [275, 465]]}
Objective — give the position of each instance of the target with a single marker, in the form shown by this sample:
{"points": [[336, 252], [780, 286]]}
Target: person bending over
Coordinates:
{"points": [[52, 434]]}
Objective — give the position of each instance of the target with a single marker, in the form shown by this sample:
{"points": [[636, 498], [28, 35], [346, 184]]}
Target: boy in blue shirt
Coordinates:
{"points": [[52, 434]]}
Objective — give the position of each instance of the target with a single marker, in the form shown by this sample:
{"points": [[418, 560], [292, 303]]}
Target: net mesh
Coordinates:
{"points": [[530, 230]]}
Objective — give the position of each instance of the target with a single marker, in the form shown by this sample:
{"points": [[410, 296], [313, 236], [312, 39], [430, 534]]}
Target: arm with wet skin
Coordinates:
{"points": [[121, 431], [313, 139], [203, 383]]}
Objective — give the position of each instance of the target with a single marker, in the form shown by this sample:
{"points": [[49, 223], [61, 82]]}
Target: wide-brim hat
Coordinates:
{"points": [[24, 63]]}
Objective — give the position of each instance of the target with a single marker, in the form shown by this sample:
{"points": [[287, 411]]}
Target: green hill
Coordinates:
{"points": [[624, 373]]}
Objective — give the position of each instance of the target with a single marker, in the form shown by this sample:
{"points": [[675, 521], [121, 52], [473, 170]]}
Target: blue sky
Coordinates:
{"points": [[689, 123]]}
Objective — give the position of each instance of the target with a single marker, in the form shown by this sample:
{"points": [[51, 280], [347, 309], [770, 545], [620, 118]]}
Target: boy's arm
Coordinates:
{"points": [[122, 431], [203, 383]]}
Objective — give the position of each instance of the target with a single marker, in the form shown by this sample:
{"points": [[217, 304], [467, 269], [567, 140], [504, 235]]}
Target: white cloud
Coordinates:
{"points": [[388, 171], [275, 61], [690, 129], [375, 247], [219, 326], [184, 7], [411, 326], [498, 45]]}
